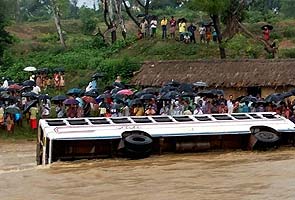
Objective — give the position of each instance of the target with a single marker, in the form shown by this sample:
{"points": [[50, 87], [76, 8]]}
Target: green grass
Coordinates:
{"points": [[23, 132]]}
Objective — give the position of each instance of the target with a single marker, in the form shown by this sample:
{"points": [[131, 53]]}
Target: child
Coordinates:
{"points": [[9, 123]]}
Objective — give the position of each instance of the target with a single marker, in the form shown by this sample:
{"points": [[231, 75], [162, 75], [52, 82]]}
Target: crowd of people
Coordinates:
{"points": [[23, 103], [186, 31]]}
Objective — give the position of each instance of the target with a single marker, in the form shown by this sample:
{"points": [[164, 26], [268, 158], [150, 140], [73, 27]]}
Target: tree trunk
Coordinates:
{"points": [[57, 23], [130, 14], [17, 11], [118, 7], [147, 7], [216, 22]]}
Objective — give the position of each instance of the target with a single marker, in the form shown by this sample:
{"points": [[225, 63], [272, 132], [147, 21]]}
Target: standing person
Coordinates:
{"points": [[56, 79], [202, 31], [182, 28], [33, 117], [164, 23], [192, 28], [45, 109], [143, 27], [214, 35], [9, 123], [266, 33], [153, 27], [230, 105], [62, 80], [172, 23], [208, 34]]}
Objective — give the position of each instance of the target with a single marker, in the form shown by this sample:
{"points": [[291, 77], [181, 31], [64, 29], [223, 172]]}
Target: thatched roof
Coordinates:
{"points": [[218, 73]]}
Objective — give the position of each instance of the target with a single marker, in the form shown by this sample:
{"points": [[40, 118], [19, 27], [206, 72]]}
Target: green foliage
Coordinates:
{"points": [[242, 47], [288, 8], [88, 20], [215, 7], [288, 53], [114, 67], [289, 32]]}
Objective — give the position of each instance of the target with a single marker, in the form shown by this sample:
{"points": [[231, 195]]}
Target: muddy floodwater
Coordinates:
{"points": [[217, 175]]}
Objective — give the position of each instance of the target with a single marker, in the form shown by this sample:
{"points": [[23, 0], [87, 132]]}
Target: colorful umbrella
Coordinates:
{"points": [[14, 87], [126, 92], [71, 102], [88, 99]]}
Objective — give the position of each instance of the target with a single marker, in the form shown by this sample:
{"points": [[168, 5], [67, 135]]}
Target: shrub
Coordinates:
{"points": [[288, 53], [289, 32]]}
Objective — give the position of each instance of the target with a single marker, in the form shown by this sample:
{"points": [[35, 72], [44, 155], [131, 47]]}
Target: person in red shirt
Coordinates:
{"points": [[266, 34]]}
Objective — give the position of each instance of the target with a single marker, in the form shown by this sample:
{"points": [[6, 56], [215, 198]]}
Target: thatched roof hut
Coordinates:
{"points": [[218, 73]]}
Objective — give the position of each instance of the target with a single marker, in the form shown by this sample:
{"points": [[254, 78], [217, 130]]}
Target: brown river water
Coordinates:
{"points": [[215, 175]]}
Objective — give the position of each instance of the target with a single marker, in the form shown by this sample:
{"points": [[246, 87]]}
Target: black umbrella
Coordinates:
{"points": [[188, 94], [30, 94], [268, 26], [135, 102], [74, 91], [166, 89], [29, 105], [59, 98], [104, 96], [147, 96], [211, 93], [171, 95], [119, 85], [92, 93], [97, 75], [139, 94], [12, 109], [26, 88], [276, 97], [29, 83], [44, 97], [185, 87], [249, 99], [115, 90], [150, 90], [172, 83]]}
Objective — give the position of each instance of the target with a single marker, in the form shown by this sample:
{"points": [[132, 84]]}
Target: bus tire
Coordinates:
{"points": [[138, 142], [266, 137]]}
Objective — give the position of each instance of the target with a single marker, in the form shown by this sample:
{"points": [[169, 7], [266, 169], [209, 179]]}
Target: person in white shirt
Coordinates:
{"points": [[36, 89], [153, 27], [5, 84], [230, 105]]}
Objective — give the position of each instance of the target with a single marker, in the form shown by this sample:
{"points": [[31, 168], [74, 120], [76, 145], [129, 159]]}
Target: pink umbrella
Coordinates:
{"points": [[125, 92]]}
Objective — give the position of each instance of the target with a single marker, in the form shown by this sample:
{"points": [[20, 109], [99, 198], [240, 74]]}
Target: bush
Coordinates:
{"points": [[288, 53], [289, 32]]}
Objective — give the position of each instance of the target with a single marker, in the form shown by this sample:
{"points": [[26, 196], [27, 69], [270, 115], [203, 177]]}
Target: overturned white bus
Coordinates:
{"points": [[137, 137]]}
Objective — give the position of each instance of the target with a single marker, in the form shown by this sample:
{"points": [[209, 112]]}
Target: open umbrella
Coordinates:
{"points": [[135, 102], [119, 85], [74, 91], [185, 87], [44, 97], [12, 110], [126, 92], [88, 99], [147, 96], [168, 88], [30, 69], [29, 83], [200, 84], [70, 102], [171, 95], [97, 75], [29, 105], [104, 96], [249, 99], [150, 90], [14, 87], [92, 93], [59, 98], [268, 26], [172, 83], [30, 94], [59, 69]]}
